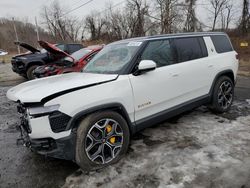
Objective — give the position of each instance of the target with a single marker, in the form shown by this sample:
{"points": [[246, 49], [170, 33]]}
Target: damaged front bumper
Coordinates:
{"points": [[62, 148]]}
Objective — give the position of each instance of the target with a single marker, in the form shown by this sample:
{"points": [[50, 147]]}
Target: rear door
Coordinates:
{"points": [[196, 71]]}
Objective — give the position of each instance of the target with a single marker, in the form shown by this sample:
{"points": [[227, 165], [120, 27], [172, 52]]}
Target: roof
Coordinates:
{"points": [[95, 47], [170, 36]]}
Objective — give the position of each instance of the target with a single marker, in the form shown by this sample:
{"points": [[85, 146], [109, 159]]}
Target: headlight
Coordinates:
{"points": [[44, 110]]}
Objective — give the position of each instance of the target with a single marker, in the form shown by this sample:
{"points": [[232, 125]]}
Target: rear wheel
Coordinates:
{"points": [[102, 139], [223, 95], [30, 74]]}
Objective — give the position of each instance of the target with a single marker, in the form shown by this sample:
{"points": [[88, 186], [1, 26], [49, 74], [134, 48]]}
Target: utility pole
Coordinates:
{"points": [[37, 31], [18, 47]]}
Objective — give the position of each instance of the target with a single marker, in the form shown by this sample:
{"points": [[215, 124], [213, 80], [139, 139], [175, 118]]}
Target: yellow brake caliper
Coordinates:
{"points": [[112, 140], [109, 129]]}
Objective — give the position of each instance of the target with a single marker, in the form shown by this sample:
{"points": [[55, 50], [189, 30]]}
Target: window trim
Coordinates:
{"points": [[136, 59]]}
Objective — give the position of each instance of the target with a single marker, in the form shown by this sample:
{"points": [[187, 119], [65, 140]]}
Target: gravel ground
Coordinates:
{"points": [[7, 77], [195, 149]]}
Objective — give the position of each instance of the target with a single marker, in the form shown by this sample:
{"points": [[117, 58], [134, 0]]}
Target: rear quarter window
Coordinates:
{"points": [[222, 43]]}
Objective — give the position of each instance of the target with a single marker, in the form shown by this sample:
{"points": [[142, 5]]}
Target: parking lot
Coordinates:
{"points": [[195, 149]]}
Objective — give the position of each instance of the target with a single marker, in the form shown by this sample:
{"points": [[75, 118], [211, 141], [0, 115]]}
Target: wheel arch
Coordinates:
{"points": [[116, 107], [229, 73], [30, 64]]}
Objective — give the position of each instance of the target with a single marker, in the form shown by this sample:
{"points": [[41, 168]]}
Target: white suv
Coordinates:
{"points": [[131, 84]]}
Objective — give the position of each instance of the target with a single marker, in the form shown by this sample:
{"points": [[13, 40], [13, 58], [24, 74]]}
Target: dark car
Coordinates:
{"points": [[69, 63], [25, 64]]}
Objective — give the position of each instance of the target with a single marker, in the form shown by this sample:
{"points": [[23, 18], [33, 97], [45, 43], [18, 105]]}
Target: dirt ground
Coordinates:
{"points": [[244, 69], [195, 149]]}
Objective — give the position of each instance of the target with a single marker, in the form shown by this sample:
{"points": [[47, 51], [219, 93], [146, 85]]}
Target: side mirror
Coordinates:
{"points": [[145, 66]]}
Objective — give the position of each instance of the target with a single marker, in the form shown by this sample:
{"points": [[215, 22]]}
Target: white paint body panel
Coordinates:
{"points": [[141, 96], [118, 91], [40, 128], [36, 90], [170, 86]]}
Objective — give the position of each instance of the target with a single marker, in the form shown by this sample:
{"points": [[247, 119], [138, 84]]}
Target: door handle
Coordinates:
{"points": [[210, 66], [175, 75]]}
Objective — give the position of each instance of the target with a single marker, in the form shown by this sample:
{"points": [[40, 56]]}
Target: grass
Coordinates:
{"points": [[6, 58]]}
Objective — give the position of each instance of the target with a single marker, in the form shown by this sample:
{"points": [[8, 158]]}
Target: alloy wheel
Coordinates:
{"points": [[225, 94], [104, 141]]}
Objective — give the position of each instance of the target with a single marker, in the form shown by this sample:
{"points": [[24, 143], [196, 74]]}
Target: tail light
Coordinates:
{"points": [[237, 56]]}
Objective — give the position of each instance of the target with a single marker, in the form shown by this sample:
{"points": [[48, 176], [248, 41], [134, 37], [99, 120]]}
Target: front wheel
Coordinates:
{"points": [[223, 94], [102, 139], [30, 72]]}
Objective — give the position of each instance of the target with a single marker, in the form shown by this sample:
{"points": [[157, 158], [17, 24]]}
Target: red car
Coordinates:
{"points": [[67, 63]]}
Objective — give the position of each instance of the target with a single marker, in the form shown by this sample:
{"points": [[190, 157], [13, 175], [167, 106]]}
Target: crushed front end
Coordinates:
{"points": [[42, 129], [45, 71]]}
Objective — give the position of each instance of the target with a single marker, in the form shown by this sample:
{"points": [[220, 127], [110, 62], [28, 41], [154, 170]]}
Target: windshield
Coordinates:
{"points": [[79, 54], [112, 58]]}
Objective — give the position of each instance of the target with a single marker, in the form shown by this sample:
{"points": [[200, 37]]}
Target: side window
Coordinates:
{"points": [[190, 48], [73, 48], [221, 44], [161, 52], [61, 46]]}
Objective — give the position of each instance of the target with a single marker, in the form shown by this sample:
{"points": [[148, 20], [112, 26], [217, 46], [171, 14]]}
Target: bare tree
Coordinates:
{"points": [[227, 15], [168, 13], [118, 26], [137, 9], [245, 19], [26, 33], [94, 24], [191, 20], [63, 28], [217, 7]]}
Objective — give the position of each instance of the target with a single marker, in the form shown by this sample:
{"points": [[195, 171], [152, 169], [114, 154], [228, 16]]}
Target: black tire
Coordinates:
{"points": [[222, 100], [30, 74], [83, 158], [24, 76]]}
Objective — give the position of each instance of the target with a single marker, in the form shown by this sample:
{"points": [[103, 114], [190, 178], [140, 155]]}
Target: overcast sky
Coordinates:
{"points": [[28, 9]]}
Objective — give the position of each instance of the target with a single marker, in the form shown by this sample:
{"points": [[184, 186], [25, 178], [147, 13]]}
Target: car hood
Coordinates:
{"points": [[37, 56], [54, 50], [36, 91], [27, 47]]}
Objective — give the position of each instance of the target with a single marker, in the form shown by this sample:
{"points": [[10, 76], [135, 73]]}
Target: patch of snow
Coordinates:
{"points": [[248, 100], [199, 150]]}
